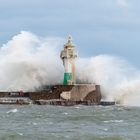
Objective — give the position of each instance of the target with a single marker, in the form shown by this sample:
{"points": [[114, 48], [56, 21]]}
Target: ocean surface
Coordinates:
{"points": [[33, 122]]}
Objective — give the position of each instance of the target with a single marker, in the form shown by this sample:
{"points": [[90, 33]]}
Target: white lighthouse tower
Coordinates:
{"points": [[68, 56]]}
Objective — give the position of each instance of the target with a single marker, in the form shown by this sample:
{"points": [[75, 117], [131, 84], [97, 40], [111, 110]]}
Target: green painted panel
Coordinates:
{"points": [[67, 78]]}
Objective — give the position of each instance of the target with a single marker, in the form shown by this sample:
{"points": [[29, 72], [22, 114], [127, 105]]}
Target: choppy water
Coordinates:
{"points": [[72, 123]]}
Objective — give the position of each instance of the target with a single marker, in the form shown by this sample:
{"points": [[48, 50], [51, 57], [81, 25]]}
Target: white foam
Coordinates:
{"points": [[34, 123], [105, 129], [77, 107], [65, 113], [21, 134], [114, 121], [12, 111]]}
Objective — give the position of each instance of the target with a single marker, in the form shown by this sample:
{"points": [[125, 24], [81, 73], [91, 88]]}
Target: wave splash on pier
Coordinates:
{"points": [[28, 62], [119, 80]]}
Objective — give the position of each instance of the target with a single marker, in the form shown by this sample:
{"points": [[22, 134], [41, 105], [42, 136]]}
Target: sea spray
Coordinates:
{"points": [[119, 81], [28, 62]]}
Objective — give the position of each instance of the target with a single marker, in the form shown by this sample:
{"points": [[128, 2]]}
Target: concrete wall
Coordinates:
{"points": [[86, 92]]}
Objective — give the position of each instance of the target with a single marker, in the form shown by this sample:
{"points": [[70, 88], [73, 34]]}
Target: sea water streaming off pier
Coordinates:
{"points": [[69, 123]]}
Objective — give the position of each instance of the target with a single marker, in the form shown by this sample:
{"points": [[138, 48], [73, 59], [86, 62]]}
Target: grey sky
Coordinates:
{"points": [[98, 26]]}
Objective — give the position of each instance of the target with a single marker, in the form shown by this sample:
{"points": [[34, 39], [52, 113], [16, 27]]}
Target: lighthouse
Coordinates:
{"points": [[68, 56]]}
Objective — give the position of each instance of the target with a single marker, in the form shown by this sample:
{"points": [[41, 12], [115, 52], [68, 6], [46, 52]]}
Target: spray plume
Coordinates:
{"points": [[28, 62], [119, 81]]}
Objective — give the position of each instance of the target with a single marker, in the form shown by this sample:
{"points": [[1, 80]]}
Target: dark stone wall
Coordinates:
{"points": [[53, 93]]}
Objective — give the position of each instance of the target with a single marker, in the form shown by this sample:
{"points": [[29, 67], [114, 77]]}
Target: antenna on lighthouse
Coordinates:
{"points": [[68, 56], [70, 39]]}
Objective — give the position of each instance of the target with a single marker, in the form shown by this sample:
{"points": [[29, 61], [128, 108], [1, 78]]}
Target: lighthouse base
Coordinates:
{"points": [[67, 79]]}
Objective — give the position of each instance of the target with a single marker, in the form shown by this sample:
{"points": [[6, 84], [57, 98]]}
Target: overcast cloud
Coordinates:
{"points": [[97, 26]]}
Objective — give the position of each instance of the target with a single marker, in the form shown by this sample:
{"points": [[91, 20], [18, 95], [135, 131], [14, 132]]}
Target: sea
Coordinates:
{"points": [[35, 122]]}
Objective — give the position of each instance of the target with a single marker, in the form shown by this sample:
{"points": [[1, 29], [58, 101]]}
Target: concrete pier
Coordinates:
{"points": [[70, 93], [86, 94]]}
